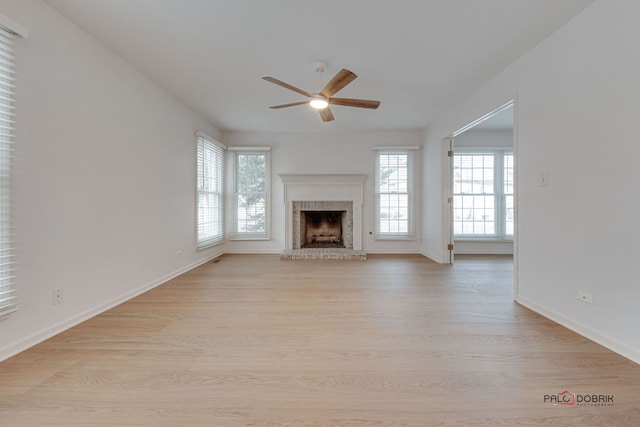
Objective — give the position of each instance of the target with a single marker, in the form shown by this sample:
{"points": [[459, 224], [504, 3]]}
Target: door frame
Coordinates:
{"points": [[449, 146]]}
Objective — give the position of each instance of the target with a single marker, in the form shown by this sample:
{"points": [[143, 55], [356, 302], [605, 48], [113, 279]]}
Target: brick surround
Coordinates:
{"points": [[347, 230]]}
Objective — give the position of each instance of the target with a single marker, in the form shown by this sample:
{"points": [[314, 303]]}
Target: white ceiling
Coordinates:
{"points": [[418, 57]]}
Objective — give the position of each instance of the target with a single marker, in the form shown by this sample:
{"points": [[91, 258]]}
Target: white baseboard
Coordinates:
{"points": [[579, 328], [254, 252], [484, 252], [37, 338], [391, 252]]}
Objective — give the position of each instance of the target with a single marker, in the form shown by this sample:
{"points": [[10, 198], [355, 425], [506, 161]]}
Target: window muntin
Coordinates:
{"points": [[483, 203], [508, 203], [394, 194]]}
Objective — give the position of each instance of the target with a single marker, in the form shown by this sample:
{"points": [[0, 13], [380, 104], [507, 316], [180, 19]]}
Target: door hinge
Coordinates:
{"points": [[449, 200], [450, 246], [450, 153]]}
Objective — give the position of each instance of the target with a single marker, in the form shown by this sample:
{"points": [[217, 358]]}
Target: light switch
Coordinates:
{"points": [[543, 179]]}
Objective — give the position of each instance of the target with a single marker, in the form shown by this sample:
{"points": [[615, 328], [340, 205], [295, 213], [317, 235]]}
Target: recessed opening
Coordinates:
{"points": [[322, 229], [322, 233]]}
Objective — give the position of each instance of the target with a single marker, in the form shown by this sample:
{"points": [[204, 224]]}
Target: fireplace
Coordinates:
{"points": [[321, 229], [323, 211], [318, 224]]}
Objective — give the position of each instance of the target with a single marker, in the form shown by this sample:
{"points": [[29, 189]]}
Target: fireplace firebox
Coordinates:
{"points": [[322, 224], [322, 229]]}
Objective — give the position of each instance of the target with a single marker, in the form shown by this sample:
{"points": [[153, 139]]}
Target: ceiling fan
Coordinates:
{"points": [[322, 99]]}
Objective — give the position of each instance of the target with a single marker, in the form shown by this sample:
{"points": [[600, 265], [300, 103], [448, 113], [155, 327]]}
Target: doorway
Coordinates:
{"points": [[481, 186]]}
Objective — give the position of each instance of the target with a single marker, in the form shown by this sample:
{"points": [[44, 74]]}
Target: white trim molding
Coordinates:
{"points": [[249, 148], [324, 188], [396, 147], [13, 27]]}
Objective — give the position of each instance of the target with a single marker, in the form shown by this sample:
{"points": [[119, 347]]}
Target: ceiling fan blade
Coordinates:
{"points": [[326, 114], [286, 86], [340, 80], [360, 103], [275, 107]]}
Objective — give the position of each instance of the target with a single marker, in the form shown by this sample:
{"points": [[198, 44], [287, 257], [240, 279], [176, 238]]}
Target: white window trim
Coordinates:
{"points": [[410, 150], [249, 148], [500, 236], [234, 234]]}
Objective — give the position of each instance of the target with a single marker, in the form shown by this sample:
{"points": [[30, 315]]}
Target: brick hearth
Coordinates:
{"points": [[323, 254]]}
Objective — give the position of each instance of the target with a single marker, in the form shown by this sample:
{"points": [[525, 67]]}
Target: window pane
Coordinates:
{"points": [[509, 208], [508, 173], [250, 197], [251, 173], [393, 193], [474, 201], [251, 216]]}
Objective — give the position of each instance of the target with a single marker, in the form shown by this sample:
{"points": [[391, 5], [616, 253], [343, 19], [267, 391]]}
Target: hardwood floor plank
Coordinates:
{"points": [[249, 340]]}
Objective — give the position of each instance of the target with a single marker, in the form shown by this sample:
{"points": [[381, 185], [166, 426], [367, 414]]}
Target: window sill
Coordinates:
{"points": [[482, 239], [248, 238], [396, 238]]}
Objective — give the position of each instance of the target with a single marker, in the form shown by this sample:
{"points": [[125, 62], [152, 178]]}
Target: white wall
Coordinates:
{"points": [[103, 179], [576, 97], [484, 138], [324, 153]]}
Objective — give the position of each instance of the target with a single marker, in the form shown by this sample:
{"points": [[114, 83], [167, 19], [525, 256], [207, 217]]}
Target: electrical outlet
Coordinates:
{"points": [[57, 297], [585, 297]]}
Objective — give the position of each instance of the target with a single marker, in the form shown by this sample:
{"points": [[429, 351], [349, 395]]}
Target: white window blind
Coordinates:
{"points": [[483, 195], [395, 194], [210, 191], [251, 203], [8, 295]]}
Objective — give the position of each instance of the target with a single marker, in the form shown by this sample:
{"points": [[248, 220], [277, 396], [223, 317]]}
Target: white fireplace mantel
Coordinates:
{"points": [[338, 177], [324, 188]]}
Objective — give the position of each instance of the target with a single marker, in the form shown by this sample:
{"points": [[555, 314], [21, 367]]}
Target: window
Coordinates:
{"points": [[210, 188], [394, 193], [483, 195], [251, 193], [8, 295]]}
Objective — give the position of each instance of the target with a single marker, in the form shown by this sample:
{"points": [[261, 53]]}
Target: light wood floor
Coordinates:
{"points": [[254, 341]]}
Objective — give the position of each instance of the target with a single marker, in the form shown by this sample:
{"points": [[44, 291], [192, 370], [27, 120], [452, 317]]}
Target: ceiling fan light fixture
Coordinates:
{"points": [[320, 100], [319, 103]]}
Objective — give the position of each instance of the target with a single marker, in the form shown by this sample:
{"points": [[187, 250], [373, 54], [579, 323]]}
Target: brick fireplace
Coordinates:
{"points": [[322, 224], [308, 196]]}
